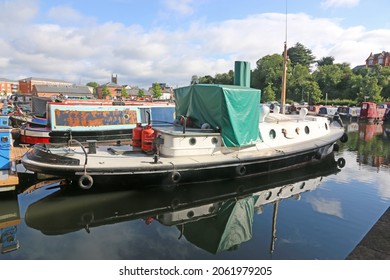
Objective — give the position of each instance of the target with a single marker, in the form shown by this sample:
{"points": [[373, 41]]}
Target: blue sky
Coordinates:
{"points": [[170, 40]]}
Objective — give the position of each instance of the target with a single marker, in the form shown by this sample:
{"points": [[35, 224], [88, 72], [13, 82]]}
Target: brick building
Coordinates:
{"points": [[8, 87], [26, 85], [382, 58], [71, 92]]}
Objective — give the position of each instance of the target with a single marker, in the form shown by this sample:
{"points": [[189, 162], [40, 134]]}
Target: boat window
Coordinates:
{"points": [[326, 126], [214, 140], [190, 214], [192, 141], [272, 134], [307, 130]]}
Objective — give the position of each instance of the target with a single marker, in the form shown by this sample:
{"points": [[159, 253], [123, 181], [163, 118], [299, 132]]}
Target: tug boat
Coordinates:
{"points": [[220, 132]]}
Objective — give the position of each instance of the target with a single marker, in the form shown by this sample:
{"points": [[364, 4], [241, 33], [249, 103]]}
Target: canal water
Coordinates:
{"points": [[317, 212]]}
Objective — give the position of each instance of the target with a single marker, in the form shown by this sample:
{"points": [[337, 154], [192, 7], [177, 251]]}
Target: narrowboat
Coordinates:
{"points": [[372, 112]]}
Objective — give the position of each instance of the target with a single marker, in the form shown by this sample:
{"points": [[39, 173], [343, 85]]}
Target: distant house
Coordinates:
{"points": [[68, 92], [26, 85], [382, 58], [166, 91]]}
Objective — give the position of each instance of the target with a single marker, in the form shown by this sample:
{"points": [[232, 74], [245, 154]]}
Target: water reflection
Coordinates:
{"points": [[9, 220], [370, 141], [215, 217]]}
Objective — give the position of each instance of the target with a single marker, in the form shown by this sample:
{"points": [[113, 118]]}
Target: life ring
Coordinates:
{"points": [[176, 176], [241, 170], [341, 162], [85, 182]]}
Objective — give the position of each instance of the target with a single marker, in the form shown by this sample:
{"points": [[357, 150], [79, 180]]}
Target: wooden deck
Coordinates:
{"points": [[18, 152]]}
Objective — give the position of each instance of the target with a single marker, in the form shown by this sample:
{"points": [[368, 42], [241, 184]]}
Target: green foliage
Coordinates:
{"points": [[124, 92], [105, 91], [338, 81], [223, 79], [328, 60], [268, 94], [141, 93], [156, 91], [300, 55]]}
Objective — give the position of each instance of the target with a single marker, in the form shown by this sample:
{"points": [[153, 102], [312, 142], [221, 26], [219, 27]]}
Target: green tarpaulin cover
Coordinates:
{"points": [[227, 230], [232, 109]]}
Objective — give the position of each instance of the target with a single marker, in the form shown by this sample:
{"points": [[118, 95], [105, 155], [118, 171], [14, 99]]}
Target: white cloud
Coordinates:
{"points": [[339, 3], [326, 206], [181, 7], [65, 14], [17, 11], [92, 51]]}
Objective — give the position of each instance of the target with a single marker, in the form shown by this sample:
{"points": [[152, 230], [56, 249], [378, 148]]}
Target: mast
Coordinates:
{"points": [[274, 216], [284, 77]]}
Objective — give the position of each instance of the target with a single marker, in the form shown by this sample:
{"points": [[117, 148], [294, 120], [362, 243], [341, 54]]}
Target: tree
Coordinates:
{"points": [[327, 60], [268, 94], [225, 78], [328, 77], [93, 85], [141, 93], [313, 92], [370, 89], [299, 77], [206, 80], [105, 92], [300, 55], [269, 72], [156, 91], [124, 93]]}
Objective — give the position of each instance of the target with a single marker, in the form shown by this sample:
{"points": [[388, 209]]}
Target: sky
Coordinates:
{"points": [[169, 41]]}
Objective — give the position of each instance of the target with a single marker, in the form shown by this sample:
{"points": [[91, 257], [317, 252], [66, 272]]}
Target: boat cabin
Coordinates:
{"points": [[371, 112]]}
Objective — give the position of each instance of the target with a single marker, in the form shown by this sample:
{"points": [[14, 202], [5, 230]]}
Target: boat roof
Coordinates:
{"points": [[234, 110]]}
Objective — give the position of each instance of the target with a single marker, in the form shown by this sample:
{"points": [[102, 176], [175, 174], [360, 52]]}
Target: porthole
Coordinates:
{"points": [[307, 130], [126, 117], [214, 140], [192, 141], [272, 134], [190, 214]]}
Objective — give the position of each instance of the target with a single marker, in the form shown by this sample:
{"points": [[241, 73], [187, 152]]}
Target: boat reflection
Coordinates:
{"points": [[9, 220], [215, 216], [369, 142]]}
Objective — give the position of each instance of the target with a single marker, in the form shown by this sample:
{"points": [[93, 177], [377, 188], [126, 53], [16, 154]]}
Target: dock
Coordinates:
{"points": [[376, 244], [9, 178]]}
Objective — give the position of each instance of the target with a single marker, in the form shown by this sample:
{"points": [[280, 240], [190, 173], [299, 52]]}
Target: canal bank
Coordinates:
{"points": [[376, 244]]}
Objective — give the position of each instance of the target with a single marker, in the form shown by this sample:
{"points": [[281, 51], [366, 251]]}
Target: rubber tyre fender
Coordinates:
{"points": [[341, 162], [175, 177], [85, 182]]}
